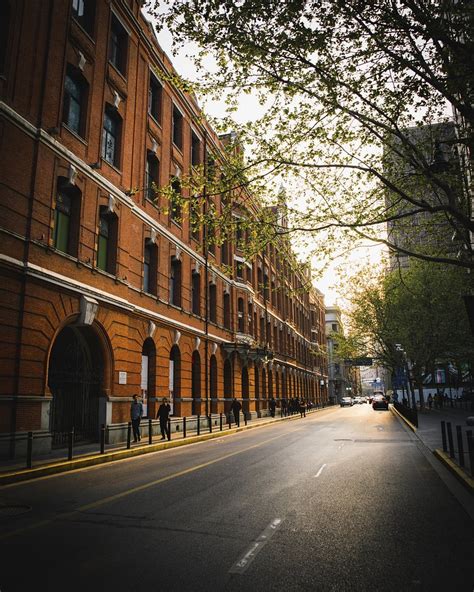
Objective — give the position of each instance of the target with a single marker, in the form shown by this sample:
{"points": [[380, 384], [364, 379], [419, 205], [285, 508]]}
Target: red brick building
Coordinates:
{"points": [[105, 292]]}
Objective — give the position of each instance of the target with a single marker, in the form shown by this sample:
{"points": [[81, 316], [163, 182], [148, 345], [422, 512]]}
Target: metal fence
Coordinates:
{"points": [[407, 412], [460, 445], [177, 427]]}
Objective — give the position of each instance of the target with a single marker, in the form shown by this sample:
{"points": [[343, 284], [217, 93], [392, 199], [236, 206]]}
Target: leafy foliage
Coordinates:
{"points": [[344, 86]]}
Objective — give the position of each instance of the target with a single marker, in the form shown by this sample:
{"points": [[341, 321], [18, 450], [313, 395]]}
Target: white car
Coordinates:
{"points": [[346, 401]]}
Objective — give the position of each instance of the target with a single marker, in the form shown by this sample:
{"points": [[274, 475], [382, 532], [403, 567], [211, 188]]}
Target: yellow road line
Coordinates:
{"points": [[117, 496]]}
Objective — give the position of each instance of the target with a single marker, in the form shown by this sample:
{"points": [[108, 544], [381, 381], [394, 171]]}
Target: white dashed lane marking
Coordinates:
{"points": [[320, 470], [242, 564]]}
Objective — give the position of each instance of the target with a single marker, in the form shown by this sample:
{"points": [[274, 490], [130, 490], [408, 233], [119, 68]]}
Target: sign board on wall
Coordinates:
{"points": [[122, 378]]}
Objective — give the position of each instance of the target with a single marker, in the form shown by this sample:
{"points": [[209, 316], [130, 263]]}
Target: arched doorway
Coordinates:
{"points": [[75, 376], [227, 385], [196, 383], [245, 391], [174, 376], [213, 385]]}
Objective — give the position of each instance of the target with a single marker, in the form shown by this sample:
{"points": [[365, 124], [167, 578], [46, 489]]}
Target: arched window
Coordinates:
{"points": [[67, 218], [175, 282], [196, 382]]}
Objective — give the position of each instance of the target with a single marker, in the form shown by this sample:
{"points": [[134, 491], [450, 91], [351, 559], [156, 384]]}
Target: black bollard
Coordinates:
{"points": [[443, 436], [245, 418], [70, 448], [184, 427], [129, 435], [198, 428], [460, 445], [238, 420], [150, 431], [169, 429], [102, 438], [220, 422], [210, 423], [230, 422], [29, 451], [450, 439]]}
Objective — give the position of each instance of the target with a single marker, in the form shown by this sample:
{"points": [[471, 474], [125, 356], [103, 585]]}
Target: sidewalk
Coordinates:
{"points": [[87, 455], [429, 433]]}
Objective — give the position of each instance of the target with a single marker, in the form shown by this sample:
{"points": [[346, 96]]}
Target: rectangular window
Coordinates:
{"points": [[103, 245], [111, 137], [62, 222], [151, 177], [175, 201], [118, 45], [107, 241], [75, 100], [177, 128], [239, 269], [150, 267], [83, 12], [196, 293], [195, 150], [155, 96], [195, 218]]}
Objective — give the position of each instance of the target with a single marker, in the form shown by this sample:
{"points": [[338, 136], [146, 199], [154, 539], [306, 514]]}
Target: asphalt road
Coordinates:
{"points": [[342, 500]]}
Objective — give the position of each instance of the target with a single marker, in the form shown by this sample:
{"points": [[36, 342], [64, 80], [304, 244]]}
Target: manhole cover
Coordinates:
{"points": [[13, 510]]}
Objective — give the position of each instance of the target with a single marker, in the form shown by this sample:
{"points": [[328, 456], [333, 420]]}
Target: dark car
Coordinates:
{"points": [[379, 402]]}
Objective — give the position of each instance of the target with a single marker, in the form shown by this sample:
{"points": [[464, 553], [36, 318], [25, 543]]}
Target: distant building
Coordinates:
{"points": [[431, 149], [340, 382]]}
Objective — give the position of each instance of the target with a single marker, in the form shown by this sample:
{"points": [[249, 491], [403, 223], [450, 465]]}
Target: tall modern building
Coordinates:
{"points": [[107, 289]]}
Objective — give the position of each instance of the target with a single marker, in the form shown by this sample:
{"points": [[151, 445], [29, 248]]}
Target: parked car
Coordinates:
{"points": [[379, 402], [346, 402], [358, 400]]}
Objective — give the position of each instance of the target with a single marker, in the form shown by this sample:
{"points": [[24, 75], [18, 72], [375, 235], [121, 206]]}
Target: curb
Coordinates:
{"points": [[412, 427], [96, 459], [460, 475]]}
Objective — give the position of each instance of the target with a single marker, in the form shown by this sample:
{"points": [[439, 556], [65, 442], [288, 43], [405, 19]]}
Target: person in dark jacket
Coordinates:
{"points": [[136, 414], [163, 414], [236, 407], [272, 407]]}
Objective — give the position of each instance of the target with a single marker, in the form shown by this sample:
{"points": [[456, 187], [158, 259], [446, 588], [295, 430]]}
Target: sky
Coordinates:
{"points": [[332, 280]]}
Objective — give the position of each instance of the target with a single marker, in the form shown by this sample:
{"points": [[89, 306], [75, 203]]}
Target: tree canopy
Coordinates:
{"points": [[415, 314], [345, 88]]}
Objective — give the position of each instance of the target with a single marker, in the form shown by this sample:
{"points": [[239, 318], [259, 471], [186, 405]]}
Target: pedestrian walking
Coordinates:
{"points": [[136, 414], [236, 407], [163, 415], [284, 406], [302, 407], [430, 401], [272, 407]]}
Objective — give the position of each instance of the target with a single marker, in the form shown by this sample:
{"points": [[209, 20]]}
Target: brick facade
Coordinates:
{"points": [[56, 171]]}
